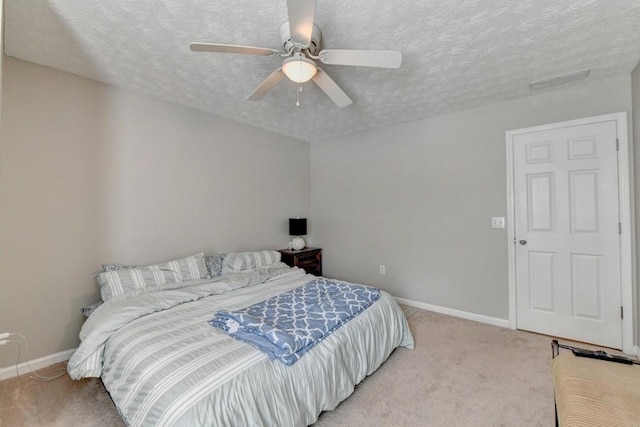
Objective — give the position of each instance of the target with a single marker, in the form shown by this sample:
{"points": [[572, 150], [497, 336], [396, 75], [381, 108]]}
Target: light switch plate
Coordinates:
{"points": [[497, 222]]}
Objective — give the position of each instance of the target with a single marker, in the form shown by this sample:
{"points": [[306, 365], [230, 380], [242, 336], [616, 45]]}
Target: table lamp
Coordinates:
{"points": [[297, 227]]}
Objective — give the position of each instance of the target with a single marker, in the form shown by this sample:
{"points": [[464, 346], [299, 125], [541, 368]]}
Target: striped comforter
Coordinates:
{"points": [[164, 365]]}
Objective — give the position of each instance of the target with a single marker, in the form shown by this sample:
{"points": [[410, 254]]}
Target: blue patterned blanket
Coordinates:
{"points": [[287, 325]]}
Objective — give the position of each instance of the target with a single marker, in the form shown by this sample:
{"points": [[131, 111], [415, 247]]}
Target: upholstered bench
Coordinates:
{"points": [[591, 392]]}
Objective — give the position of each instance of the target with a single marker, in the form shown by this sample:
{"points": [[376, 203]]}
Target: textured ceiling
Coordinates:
{"points": [[457, 54]]}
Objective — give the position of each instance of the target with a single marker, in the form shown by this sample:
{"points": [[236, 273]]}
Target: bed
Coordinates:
{"points": [[164, 365]]}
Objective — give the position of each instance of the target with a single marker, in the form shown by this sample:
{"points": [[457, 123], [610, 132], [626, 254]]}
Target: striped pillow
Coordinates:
{"points": [[241, 261], [123, 281]]}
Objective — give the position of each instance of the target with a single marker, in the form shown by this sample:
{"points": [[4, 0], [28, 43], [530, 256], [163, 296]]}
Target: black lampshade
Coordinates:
{"points": [[297, 226]]}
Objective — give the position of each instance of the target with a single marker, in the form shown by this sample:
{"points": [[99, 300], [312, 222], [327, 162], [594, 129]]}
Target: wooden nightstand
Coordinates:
{"points": [[308, 258]]}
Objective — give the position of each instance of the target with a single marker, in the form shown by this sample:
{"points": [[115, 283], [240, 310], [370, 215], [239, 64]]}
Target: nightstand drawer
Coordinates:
{"points": [[315, 271], [307, 263], [308, 258]]}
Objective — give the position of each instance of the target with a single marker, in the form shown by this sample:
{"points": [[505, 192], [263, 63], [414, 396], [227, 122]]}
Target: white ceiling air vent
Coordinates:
{"points": [[560, 80]]}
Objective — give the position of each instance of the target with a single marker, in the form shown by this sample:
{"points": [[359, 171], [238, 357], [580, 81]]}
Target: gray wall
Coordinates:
{"points": [[635, 94], [92, 174], [418, 198]]}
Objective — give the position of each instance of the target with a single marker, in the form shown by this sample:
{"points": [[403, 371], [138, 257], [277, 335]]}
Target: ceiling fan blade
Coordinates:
{"points": [[332, 89], [362, 58], [301, 14], [266, 85], [229, 48]]}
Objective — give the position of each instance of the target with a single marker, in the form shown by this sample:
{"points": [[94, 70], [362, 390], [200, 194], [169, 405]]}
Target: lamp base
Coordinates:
{"points": [[297, 243]]}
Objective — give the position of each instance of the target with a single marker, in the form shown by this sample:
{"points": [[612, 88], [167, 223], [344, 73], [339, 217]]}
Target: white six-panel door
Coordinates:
{"points": [[567, 249]]}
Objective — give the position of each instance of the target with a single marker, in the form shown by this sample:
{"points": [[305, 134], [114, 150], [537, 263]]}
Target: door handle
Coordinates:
{"points": [[522, 242]]}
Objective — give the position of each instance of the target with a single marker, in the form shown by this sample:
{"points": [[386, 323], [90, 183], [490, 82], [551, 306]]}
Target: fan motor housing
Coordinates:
{"points": [[288, 45]]}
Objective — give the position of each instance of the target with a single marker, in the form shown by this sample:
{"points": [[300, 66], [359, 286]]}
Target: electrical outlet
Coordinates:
{"points": [[383, 270], [497, 222], [4, 335]]}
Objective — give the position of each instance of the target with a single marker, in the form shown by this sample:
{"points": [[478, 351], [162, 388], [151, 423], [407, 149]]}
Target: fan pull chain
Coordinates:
{"points": [[298, 95]]}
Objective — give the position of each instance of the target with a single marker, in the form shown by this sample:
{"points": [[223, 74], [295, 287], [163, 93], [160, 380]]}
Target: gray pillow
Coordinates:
{"points": [[116, 267], [214, 264], [87, 311]]}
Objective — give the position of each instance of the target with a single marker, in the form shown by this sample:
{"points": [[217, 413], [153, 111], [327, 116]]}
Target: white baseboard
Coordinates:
{"points": [[36, 364], [503, 323]]}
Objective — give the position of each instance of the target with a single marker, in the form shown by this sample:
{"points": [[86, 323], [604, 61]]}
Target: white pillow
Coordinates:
{"points": [[244, 261]]}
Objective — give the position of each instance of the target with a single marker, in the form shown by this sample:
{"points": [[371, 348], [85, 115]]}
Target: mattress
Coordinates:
{"points": [[163, 364]]}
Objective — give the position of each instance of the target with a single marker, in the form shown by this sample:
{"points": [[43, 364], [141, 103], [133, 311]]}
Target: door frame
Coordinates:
{"points": [[627, 237]]}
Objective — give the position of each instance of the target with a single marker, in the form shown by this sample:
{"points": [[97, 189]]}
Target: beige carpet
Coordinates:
{"points": [[461, 373]]}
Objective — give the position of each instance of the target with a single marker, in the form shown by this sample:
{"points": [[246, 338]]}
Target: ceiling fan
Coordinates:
{"points": [[300, 41]]}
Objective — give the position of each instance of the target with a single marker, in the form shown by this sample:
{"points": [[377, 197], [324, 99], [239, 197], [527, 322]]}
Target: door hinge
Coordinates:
{"points": [[621, 312], [619, 228], [617, 144]]}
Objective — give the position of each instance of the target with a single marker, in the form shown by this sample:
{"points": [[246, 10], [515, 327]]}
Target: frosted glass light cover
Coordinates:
{"points": [[299, 69]]}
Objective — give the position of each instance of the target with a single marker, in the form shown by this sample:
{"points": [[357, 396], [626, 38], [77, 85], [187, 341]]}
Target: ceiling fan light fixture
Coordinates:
{"points": [[298, 68]]}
